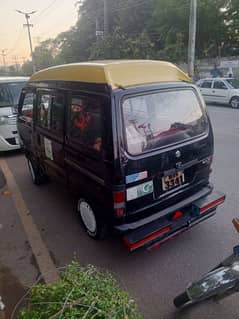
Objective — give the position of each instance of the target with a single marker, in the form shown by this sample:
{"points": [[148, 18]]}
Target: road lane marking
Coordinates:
{"points": [[39, 249]]}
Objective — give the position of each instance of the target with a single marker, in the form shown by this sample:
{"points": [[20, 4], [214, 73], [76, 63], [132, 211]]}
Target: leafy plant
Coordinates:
{"points": [[85, 293]]}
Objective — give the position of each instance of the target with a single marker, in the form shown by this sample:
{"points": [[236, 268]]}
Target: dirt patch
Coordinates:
{"points": [[2, 179], [11, 290]]}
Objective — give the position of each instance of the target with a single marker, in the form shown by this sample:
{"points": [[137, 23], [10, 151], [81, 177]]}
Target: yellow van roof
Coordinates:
{"points": [[118, 73]]}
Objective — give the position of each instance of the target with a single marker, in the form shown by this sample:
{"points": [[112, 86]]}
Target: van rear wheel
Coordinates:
{"points": [[37, 175], [94, 226]]}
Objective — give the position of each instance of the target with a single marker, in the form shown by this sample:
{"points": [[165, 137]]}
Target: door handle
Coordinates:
{"points": [[213, 91]]}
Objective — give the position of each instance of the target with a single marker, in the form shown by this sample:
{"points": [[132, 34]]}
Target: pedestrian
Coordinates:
{"points": [[230, 72], [215, 72]]}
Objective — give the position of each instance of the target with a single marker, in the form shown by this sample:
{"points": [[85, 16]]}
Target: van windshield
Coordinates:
{"points": [[161, 119], [9, 93]]}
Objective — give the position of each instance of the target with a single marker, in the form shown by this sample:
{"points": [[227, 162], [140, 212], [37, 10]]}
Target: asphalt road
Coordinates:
{"points": [[153, 279]]}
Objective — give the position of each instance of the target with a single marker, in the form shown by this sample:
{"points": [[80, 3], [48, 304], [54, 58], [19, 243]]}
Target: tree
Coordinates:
{"points": [[119, 46], [231, 16], [144, 29], [27, 68], [45, 54], [212, 31]]}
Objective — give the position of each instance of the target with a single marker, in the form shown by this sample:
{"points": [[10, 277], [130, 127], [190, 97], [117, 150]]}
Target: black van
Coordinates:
{"points": [[133, 141]]}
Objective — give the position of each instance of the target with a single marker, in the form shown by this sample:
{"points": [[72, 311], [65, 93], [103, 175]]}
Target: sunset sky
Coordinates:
{"points": [[51, 18]]}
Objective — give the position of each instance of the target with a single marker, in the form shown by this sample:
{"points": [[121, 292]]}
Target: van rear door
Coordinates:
{"points": [[168, 147]]}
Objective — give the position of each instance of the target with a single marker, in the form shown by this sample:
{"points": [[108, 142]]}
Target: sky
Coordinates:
{"points": [[51, 18]]}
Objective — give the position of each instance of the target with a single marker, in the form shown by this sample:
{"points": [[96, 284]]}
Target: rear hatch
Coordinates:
{"points": [[168, 146]]}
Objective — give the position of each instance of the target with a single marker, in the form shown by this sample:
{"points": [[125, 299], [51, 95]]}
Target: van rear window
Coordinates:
{"points": [[160, 119]]}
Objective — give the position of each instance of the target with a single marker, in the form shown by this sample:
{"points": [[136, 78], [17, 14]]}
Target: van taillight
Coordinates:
{"points": [[119, 197], [119, 203]]}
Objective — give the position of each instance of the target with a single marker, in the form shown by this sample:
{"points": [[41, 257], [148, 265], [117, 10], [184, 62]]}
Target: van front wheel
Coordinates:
{"points": [[94, 226]]}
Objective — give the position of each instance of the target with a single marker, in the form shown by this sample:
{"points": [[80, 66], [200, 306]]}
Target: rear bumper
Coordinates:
{"points": [[177, 219]]}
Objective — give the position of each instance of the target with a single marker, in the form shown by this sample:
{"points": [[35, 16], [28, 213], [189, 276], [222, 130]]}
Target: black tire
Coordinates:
{"points": [[95, 227], [181, 300], [234, 103], [37, 175]]}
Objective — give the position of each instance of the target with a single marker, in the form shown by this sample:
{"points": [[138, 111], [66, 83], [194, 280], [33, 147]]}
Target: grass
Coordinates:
{"points": [[82, 292]]}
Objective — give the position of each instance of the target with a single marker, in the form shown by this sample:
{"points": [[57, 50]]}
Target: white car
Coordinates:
{"points": [[220, 90], [10, 89]]}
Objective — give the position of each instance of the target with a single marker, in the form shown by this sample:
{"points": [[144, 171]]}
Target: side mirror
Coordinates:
{"points": [[235, 222]]}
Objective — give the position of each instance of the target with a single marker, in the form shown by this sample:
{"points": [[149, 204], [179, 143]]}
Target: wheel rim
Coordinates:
{"points": [[32, 171], [87, 215], [235, 103]]}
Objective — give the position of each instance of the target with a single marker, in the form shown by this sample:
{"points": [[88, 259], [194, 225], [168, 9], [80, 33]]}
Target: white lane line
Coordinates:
{"points": [[39, 249]]}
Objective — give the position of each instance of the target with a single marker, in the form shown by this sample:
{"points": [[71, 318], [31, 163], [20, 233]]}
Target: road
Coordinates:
{"points": [[153, 279]]}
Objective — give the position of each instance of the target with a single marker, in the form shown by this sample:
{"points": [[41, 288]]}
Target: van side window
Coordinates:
{"points": [[50, 111], [27, 106], [57, 113], [86, 122], [44, 110]]}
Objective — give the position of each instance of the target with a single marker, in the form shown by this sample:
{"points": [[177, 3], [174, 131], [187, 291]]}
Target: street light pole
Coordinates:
{"points": [[28, 25], [192, 37]]}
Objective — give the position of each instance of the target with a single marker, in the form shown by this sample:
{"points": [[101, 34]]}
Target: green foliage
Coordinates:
{"points": [[156, 29], [231, 16], [81, 293], [119, 46], [27, 68]]}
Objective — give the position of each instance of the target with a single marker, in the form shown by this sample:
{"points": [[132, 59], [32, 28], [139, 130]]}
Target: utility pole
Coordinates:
{"points": [[28, 25], [192, 37], [3, 54], [106, 18]]}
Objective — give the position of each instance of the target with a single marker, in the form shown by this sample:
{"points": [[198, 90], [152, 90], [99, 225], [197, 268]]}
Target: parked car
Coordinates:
{"points": [[220, 90], [131, 139], [10, 90]]}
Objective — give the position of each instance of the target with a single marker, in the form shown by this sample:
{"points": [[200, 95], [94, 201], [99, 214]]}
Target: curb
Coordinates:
{"points": [[41, 253]]}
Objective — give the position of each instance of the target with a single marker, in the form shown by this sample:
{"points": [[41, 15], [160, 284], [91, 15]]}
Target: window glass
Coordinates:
{"points": [[160, 119], [15, 90], [86, 122], [27, 107], [5, 97], [206, 84], [57, 113], [51, 111], [219, 85], [234, 83], [44, 110]]}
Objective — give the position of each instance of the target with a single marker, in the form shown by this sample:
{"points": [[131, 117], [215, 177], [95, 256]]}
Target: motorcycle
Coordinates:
{"points": [[219, 283]]}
